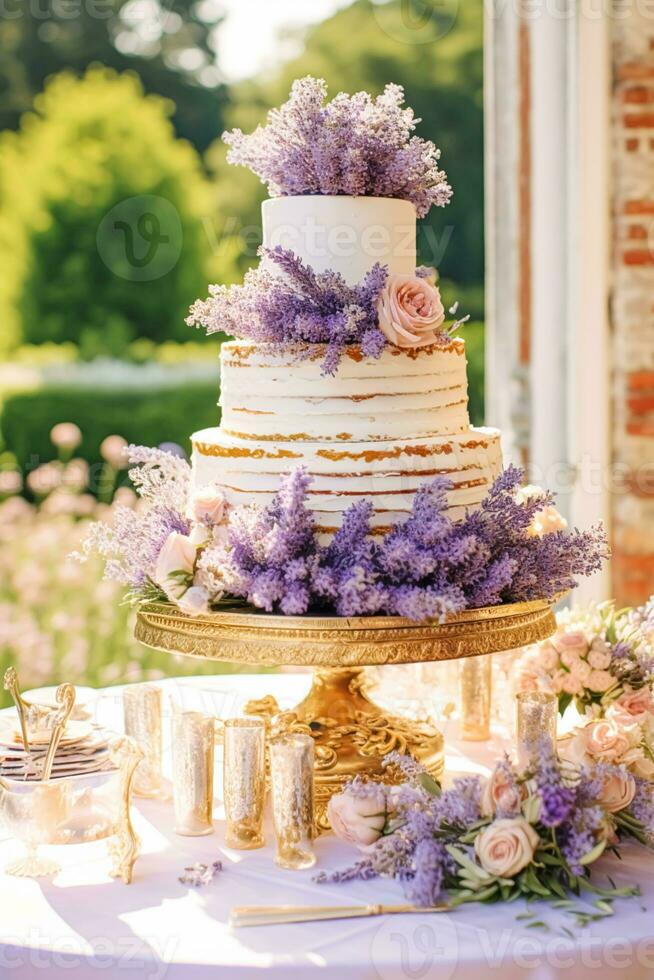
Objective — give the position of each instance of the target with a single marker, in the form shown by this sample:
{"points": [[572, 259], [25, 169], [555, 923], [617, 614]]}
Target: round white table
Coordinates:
{"points": [[84, 924]]}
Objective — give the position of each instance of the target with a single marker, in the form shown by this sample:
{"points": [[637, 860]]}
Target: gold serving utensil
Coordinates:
{"points": [[66, 700], [11, 685], [275, 915]]}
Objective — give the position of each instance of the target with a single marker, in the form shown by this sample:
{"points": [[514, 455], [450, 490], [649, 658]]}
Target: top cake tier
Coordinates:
{"points": [[348, 235]]}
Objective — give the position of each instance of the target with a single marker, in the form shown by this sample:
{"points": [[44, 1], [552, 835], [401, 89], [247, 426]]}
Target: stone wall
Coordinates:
{"points": [[632, 311]]}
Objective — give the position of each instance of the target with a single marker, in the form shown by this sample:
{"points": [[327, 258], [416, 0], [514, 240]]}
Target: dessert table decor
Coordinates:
{"points": [[345, 511], [74, 810], [193, 740], [244, 781], [143, 710], [475, 698], [536, 713], [292, 791], [534, 833]]}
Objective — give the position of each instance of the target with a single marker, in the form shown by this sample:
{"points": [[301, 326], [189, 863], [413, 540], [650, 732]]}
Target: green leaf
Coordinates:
{"points": [[428, 783], [593, 855]]}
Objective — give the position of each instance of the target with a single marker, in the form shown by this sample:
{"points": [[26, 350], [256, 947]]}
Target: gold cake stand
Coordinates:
{"points": [[352, 734]]}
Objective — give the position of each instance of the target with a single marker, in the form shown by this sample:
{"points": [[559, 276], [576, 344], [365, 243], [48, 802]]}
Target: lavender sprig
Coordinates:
{"points": [[284, 303]]}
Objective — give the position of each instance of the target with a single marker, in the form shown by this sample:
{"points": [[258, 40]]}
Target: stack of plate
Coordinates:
{"points": [[84, 749]]}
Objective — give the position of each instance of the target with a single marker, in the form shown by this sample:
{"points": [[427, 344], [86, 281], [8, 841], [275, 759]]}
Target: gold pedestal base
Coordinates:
{"points": [[352, 734]]}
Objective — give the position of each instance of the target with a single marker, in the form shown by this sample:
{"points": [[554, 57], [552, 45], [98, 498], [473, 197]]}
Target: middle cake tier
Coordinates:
{"points": [[378, 429]]}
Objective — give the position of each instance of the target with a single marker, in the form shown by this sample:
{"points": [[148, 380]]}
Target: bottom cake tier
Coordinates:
{"points": [[388, 473]]}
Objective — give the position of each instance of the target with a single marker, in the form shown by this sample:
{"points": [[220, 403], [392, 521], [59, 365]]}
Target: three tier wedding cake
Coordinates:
{"points": [[345, 477], [382, 422]]}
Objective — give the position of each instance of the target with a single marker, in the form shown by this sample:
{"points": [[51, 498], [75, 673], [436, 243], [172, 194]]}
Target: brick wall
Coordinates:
{"points": [[633, 306]]}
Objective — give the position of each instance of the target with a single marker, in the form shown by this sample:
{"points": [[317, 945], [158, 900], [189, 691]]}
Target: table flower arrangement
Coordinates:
{"points": [[534, 834], [601, 660], [189, 548]]}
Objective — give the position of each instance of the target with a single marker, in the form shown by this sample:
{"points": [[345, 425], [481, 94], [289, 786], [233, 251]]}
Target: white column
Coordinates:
{"points": [[506, 402], [559, 408]]}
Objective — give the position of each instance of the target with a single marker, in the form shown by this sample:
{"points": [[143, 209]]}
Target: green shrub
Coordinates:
{"points": [[147, 418], [102, 236]]}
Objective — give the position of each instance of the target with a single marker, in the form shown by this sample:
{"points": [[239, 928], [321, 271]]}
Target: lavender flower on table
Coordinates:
{"points": [[300, 307], [353, 145]]}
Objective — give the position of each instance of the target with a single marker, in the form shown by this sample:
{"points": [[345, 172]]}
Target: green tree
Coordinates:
{"points": [[171, 46], [433, 49], [102, 235]]}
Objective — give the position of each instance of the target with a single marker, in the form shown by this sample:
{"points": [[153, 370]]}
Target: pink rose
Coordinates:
{"points": [[603, 740], [410, 311], [502, 793], [638, 704], [195, 601], [357, 820], [548, 656], [174, 568], [599, 659], [207, 505], [572, 684], [505, 847], [600, 681], [573, 641], [618, 790]]}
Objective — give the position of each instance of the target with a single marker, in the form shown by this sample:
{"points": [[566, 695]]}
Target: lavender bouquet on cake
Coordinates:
{"points": [[353, 145], [189, 547]]}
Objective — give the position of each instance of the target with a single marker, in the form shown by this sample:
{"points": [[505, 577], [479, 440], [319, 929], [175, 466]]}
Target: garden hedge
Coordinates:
{"points": [[148, 418]]}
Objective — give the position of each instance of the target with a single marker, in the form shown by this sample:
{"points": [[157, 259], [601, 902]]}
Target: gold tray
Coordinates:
{"points": [[247, 637]]}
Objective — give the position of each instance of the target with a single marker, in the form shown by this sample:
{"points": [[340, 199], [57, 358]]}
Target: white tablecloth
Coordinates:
{"points": [[83, 924]]}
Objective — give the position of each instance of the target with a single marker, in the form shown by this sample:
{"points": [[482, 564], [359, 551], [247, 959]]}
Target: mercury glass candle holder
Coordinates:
{"points": [[536, 719], [142, 707], [193, 740], [475, 687], [291, 774], [244, 781]]}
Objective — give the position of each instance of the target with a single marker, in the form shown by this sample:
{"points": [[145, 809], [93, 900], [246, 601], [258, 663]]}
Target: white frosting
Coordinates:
{"points": [[345, 234], [376, 430], [387, 473], [402, 395]]}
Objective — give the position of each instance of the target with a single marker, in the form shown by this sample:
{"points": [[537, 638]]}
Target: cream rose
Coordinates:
{"points": [[618, 790], [410, 311], [174, 568], [547, 521], [207, 505], [506, 846], [357, 820], [500, 793]]}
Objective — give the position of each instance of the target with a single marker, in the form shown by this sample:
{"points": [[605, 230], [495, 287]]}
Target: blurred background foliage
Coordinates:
{"points": [[106, 101]]}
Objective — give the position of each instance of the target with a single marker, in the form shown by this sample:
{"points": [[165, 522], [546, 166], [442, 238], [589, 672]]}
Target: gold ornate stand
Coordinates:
{"points": [[352, 734]]}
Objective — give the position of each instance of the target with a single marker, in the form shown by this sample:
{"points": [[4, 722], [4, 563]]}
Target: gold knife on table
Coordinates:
{"points": [[273, 915]]}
